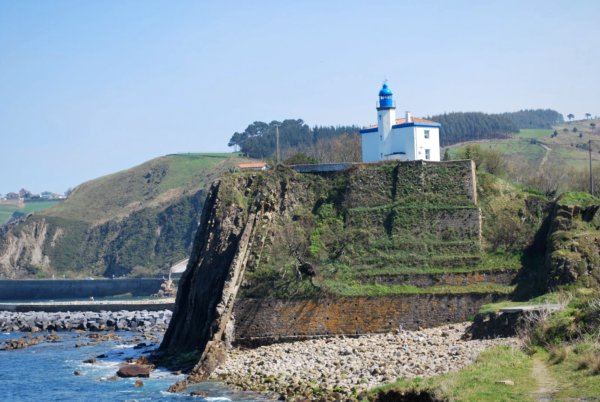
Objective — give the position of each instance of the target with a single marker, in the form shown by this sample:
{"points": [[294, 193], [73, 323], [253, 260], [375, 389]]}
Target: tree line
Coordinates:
{"points": [[535, 118], [258, 140], [472, 126]]}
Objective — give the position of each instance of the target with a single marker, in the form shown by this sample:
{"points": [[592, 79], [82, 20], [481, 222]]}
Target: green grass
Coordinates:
{"points": [[478, 382], [354, 290], [184, 168], [514, 149], [6, 211], [534, 133], [578, 198], [153, 183], [575, 380], [433, 270]]}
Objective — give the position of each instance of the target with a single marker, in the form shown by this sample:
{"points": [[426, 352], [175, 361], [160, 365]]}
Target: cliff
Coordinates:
{"points": [[135, 222], [573, 242], [283, 255]]}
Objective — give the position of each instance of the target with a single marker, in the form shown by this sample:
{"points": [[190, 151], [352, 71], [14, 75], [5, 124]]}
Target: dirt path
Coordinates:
{"points": [[545, 158], [546, 384]]}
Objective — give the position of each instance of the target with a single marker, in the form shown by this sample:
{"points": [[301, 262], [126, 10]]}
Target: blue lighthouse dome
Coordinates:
{"points": [[385, 91]]}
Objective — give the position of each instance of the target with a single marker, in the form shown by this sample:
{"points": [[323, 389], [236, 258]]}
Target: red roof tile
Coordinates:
{"points": [[252, 165]]}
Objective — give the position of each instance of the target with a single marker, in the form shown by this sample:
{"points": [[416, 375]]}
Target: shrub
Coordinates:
{"points": [[590, 361], [558, 354]]}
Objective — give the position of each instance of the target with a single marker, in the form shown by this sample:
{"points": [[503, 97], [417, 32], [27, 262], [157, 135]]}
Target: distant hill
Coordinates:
{"points": [[471, 126], [554, 159], [12, 211], [134, 222]]}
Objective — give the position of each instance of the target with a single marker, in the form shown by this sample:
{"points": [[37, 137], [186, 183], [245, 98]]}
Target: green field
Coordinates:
{"points": [[524, 152], [6, 211]]}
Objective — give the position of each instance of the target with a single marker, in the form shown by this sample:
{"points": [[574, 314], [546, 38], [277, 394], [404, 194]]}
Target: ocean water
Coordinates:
{"points": [[45, 372]]}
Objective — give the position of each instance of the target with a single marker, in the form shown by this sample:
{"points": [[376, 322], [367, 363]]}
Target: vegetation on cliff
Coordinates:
{"points": [[363, 231], [135, 222], [560, 355]]}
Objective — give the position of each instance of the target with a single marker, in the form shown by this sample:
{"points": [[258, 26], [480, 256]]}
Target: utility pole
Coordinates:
{"points": [[277, 141], [591, 174]]}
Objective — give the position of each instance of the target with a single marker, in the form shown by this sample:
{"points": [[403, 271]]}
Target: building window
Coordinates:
{"points": [[428, 154], [426, 133]]}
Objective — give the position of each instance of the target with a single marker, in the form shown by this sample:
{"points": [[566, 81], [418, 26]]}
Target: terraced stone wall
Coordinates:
{"points": [[261, 321]]}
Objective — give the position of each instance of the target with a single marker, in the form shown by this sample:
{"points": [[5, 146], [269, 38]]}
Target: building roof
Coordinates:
{"points": [[253, 165], [413, 120], [416, 120]]}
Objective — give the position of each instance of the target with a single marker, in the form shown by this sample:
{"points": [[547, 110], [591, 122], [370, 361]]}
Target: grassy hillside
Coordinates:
{"points": [[153, 183], [554, 159], [135, 222], [6, 211]]}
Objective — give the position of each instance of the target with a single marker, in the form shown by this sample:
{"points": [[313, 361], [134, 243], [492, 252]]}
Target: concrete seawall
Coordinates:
{"points": [[11, 290], [117, 305]]}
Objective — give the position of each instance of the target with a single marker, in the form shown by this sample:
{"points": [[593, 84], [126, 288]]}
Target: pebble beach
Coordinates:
{"points": [[346, 367]]}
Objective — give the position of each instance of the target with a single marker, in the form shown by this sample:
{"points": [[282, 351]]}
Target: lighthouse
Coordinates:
{"points": [[408, 138]]}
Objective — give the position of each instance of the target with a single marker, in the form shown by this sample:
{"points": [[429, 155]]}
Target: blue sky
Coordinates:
{"points": [[88, 88]]}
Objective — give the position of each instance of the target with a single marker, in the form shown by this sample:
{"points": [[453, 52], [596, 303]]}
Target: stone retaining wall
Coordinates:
{"points": [[259, 321], [500, 277]]}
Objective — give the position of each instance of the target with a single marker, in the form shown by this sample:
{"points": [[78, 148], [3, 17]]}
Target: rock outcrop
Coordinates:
{"points": [[209, 286], [22, 245], [573, 248]]}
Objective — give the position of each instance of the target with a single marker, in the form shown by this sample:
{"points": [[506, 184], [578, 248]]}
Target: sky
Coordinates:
{"points": [[88, 88]]}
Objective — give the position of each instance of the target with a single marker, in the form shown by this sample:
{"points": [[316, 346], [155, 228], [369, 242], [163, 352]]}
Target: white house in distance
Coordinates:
{"points": [[406, 139]]}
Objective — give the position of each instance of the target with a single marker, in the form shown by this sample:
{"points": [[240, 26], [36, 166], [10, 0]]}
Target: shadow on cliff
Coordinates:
{"points": [[532, 279]]}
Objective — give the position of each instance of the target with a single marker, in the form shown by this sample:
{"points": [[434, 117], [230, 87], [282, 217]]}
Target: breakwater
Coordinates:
{"points": [[36, 321], [77, 288]]}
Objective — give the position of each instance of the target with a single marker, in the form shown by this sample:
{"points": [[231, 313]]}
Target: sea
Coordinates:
{"points": [[45, 372]]}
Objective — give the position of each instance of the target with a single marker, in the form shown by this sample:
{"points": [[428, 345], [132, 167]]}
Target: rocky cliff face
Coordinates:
{"points": [[27, 245], [145, 242], [208, 288]]}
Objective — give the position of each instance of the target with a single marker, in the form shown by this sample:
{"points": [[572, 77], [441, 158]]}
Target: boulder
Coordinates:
{"points": [[134, 370]]}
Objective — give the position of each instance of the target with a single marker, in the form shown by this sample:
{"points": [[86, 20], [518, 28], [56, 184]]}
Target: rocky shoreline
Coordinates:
{"points": [[36, 321], [345, 367]]}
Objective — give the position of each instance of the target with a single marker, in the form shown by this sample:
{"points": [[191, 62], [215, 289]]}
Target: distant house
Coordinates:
{"points": [[253, 166], [12, 196], [48, 195], [405, 139]]}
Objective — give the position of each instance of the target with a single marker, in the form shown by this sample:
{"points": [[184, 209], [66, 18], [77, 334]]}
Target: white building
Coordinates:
{"points": [[406, 139]]}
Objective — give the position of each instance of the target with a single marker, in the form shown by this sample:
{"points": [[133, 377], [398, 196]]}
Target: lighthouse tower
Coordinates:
{"points": [[409, 138], [386, 117]]}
